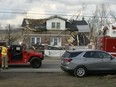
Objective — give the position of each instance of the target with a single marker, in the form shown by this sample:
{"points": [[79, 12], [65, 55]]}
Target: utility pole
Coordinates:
{"points": [[9, 43]]}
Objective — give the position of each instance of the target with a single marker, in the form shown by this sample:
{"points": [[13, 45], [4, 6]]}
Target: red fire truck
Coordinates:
{"points": [[108, 44], [107, 41], [18, 55]]}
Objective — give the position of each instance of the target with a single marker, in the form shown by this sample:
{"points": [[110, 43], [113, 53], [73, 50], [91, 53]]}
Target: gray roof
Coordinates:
{"points": [[80, 22], [81, 25], [83, 28], [71, 27]]}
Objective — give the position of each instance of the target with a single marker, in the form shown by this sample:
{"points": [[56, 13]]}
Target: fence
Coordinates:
{"points": [[54, 53]]}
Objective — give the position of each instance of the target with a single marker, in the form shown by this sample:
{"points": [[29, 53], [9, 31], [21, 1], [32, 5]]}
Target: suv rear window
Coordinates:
{"points": [[71, 54]]}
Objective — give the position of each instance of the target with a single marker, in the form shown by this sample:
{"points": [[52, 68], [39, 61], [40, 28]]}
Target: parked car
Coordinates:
{"points": [[83, 62]]}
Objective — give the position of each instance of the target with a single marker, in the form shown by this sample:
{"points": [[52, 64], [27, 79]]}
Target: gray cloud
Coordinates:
{"points": [[43, 8], [78, 2]]}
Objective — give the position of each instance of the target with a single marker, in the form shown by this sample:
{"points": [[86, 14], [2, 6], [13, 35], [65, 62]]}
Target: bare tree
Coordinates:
{"points": [[113, 16], [100, 18], [92, 22], [10, 34], [103, 15]]}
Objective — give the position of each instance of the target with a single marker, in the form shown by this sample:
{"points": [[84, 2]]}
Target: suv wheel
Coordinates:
{"points": [[35, 62], [80, 71]]}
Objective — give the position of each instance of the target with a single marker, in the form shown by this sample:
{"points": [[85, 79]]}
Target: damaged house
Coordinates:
{"points": [[55, 31]]}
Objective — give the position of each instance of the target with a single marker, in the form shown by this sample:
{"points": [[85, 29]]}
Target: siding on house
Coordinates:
{"points": [[55, 20], [47, 36]]}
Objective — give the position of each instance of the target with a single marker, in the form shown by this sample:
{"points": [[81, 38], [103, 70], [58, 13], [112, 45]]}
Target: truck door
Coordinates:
{"points": [[16, 53]]}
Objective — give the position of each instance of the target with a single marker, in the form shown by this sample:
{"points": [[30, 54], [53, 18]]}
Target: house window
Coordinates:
{"points": [[53, 24], [35, 40], [38, 40], [56, 25], [32, 40]]}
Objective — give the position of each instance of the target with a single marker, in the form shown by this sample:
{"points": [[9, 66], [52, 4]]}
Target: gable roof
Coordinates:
{"points": [[56, 16], [72, 25], [37, 22]]}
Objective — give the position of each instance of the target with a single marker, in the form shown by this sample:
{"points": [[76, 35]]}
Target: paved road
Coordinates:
{"points": [[47, 66]]}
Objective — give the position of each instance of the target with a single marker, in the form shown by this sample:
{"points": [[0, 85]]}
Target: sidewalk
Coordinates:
{"points": [[30, 70]]}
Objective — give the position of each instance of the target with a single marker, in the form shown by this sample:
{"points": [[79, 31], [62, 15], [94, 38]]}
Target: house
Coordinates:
{"points": [[54, 31]]}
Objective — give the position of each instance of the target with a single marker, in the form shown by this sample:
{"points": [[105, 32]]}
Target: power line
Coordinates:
{"points": [[34, 13]]}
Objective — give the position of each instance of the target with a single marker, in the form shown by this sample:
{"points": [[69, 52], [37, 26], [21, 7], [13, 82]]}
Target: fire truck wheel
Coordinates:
{"points": [[35, 62]]}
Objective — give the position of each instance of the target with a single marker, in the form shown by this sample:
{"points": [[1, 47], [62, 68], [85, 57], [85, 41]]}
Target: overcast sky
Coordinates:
{"points": [[13, 11]]}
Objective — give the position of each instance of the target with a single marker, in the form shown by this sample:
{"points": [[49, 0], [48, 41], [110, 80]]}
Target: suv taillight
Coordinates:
{"points": [[67, 60]]}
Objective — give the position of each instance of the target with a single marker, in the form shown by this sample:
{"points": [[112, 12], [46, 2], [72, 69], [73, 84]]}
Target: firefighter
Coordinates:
{"points": [[4, 57]]}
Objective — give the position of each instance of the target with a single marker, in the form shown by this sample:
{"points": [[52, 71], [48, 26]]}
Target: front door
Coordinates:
{"points": [[55, 41]]}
